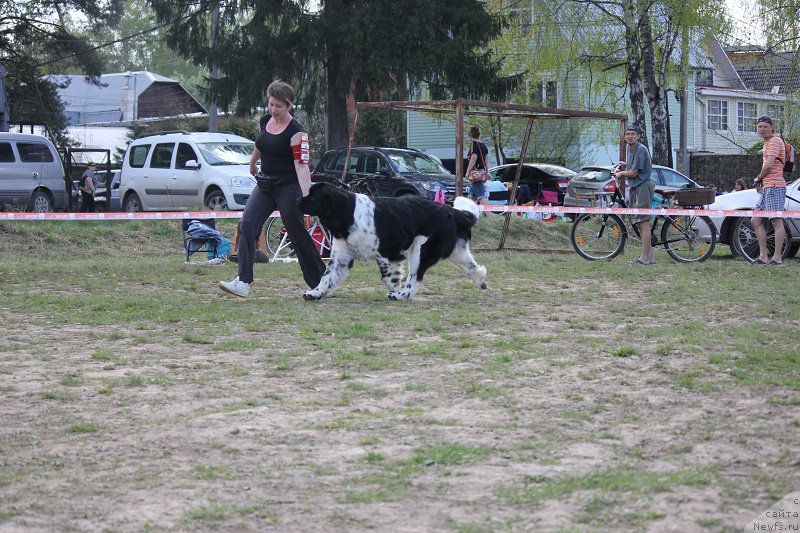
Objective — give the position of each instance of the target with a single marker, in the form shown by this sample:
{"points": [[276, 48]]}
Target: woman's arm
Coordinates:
{"points": [[472, 160], [300, 150], [253, 158]]}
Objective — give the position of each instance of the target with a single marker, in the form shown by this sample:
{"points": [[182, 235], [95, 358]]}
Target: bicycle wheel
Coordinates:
{"points": [[596, 236], [322, 238], [746, 244], [278, 243], [689, 239]]}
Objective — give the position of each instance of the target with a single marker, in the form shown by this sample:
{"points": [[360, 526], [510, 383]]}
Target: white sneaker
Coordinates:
{"points": [[236, 287]]}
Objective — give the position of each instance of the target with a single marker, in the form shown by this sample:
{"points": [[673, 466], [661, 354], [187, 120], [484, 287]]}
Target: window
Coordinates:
{"points": [[775, 112], [336, 163], [162, 155], [705, 77], [225, 153], [746, 116], [673, 179], [34, 153], [718, 115], [546, 94], [138, 155], [407, 161], [374, 163], [6, 153], [185, 153]]}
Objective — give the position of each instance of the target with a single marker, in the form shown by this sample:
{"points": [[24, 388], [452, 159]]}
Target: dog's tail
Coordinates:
{"points": [[469, 210]]}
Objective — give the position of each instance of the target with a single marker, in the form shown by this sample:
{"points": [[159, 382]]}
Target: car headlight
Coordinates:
{"points": [[433, 186], [243, 181]]}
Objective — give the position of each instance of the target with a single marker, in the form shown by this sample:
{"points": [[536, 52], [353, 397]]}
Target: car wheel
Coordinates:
{"points": [[793, 249], [215, 201], [41, 203], [132, 203]]}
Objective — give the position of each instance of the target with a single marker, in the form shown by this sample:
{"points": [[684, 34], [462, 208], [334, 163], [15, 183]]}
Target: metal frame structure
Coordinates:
{"points": [[461, 108]]}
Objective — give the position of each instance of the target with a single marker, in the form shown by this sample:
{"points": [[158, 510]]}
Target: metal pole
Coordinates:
{"points": [[459, 147], [212, 108], [350, 145], [683, 166], [3, 99], [517, 175]]}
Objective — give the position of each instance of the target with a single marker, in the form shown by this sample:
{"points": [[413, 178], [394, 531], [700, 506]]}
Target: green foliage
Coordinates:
{"points": [[352, 50], [37, 40], [140, 44], [381, 127]]}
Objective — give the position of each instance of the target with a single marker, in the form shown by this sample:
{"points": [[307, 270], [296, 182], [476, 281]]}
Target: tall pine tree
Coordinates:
{"points": [[346, 51]]}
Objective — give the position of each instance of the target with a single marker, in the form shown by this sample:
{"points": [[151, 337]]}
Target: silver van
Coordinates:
{"points": [[31, 173], [174, 171]]}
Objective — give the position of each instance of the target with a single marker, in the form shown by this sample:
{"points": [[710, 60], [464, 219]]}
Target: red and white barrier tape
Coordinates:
{"points": [[159, 215], [556, 210], [561, 210]]}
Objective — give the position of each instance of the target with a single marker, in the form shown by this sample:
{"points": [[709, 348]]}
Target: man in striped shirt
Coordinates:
{"points": [[773, 191]]}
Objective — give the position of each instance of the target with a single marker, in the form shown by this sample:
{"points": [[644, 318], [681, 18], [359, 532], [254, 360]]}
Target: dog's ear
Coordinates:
{"points": [[332, 200]]}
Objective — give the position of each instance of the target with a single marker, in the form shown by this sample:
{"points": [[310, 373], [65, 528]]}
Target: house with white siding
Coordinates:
{"points": [[730, 96]]}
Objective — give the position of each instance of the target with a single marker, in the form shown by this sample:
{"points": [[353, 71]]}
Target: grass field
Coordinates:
{"points": [[570, 396]]}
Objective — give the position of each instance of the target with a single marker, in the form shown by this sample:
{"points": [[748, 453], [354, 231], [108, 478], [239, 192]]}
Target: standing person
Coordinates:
{"points": [[773, 191], [477, 161], [740, 185], [86, 186], [282, 147], [638, 168]]}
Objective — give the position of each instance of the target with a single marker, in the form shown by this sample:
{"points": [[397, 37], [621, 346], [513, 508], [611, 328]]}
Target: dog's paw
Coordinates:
{"points": [[398, 295], [311, 296], [484, 285]]}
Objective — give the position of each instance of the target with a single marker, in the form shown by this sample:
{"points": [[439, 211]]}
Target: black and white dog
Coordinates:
{"points": [[391, 231]]}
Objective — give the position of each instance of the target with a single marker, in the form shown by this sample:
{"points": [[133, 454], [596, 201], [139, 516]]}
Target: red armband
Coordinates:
{"points": [[301, 151]]}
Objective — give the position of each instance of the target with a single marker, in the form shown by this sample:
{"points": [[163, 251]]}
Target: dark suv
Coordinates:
{"points": [[377, 171]]}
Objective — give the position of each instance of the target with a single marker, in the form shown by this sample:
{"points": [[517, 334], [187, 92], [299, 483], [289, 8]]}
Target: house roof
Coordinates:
{"points": [[116, 97], [762, 69]]}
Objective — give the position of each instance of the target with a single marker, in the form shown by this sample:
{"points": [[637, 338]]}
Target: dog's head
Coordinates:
{"points": [[324, 200]]}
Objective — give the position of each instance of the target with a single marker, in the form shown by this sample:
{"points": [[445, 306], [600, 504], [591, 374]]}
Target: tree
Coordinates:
{"points": [[346, 51], [35, 40], [139, 43], [651, 31]]}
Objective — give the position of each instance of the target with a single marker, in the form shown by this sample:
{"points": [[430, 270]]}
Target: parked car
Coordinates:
{"points": [[378, 171], [537, 176], [729, 232], [100, 197], [185, 170], [596, 179], [31, 173]]}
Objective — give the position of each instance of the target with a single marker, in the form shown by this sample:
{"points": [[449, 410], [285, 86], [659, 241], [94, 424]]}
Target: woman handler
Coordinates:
{"points": [[282, 147]]}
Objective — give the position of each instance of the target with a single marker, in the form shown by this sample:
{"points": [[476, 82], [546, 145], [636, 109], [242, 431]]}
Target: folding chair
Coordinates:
{"points": [[499, 196], [192, 244]]}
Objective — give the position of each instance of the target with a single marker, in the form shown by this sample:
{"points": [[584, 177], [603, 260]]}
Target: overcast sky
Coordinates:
{"points": [[744, 15]]}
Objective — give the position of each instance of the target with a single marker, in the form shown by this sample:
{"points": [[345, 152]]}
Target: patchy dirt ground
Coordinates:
{"points": [[564, 401]]}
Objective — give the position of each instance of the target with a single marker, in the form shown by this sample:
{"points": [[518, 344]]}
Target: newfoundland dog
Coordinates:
{"points": [[392, 231]]}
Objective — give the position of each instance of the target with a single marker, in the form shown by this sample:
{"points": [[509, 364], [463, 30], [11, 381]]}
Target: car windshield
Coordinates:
{"points": [[413, 162], [555, 170], [593, 174], [226, 153]]}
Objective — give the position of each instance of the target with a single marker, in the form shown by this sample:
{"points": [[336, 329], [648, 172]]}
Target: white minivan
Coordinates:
{"points": [[186, 170], [31, 173]]}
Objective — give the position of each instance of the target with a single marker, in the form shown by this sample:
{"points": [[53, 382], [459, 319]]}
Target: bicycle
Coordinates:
{"points": [[280, 246], [687, 238], [745, 243]]}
